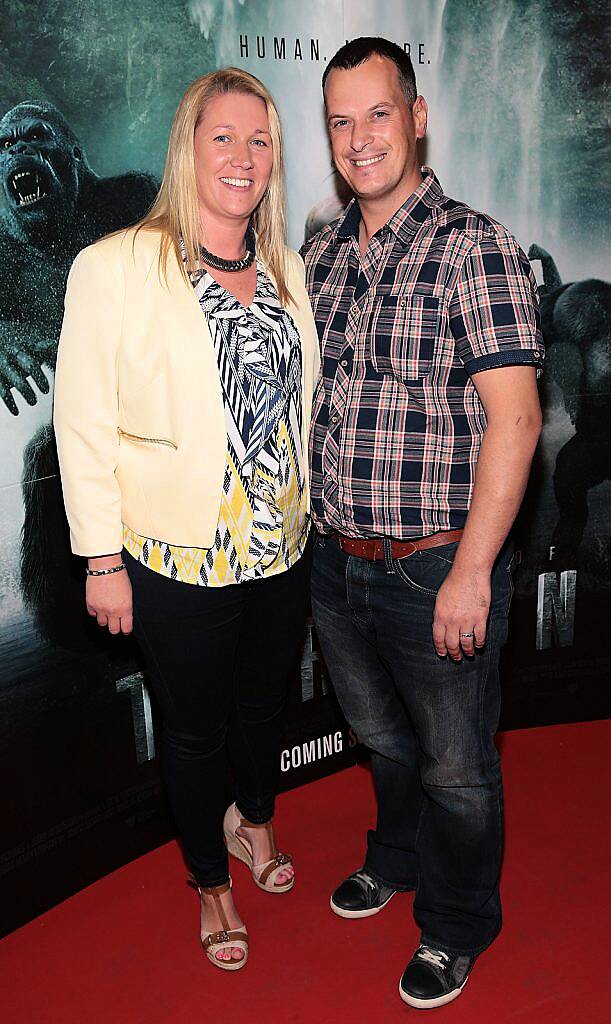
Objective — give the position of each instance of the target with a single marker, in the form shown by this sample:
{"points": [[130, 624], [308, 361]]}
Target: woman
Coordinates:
{"points": [[182, 405]]}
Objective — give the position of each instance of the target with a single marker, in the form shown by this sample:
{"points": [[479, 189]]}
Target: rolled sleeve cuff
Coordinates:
{"points": [[508, 357]]}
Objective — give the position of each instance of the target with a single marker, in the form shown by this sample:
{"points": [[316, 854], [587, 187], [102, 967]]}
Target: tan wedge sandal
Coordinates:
{"points": [[225, 939], [265, 874]]}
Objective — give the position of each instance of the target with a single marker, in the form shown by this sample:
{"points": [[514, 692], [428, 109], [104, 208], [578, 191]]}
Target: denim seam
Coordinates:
{"points": [[509, 571], [499, 796], [367, 619], [440, 558], [347, 585], [388, 559], [401, 573], [487, 655], [369, 616], [419, 826]]}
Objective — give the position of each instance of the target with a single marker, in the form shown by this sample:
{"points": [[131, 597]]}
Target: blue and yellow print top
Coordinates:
{"points": [[263, 525]]}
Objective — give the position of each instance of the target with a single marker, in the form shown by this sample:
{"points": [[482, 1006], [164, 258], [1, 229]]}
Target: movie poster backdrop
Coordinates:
{"points": [[87, 91]]}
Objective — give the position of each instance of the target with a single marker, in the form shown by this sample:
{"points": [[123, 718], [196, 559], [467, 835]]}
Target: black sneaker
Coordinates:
{"points": [[360, 895], [433, 978]]}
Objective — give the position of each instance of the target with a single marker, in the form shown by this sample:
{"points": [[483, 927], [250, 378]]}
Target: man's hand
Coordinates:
{"points": [[462, 607], [109, 599]]}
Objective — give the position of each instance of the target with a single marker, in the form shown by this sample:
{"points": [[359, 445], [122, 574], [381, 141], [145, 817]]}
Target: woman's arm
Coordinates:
{"points": [[85, 417], [85, 413]]}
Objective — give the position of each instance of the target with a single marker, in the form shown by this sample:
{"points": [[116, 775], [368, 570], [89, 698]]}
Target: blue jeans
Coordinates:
{"points": [[429, 723]]}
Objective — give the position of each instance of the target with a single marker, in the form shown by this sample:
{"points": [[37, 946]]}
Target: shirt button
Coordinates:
{"points": [[334, 418], [344, 362]]}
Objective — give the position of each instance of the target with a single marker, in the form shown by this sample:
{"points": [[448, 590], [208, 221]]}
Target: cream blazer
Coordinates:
{"points": [[138, 409]]}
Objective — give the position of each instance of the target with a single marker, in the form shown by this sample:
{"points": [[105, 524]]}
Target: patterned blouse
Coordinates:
{"points": [[263, 526]]}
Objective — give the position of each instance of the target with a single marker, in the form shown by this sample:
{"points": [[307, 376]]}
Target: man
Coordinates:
{"points": [[425, 422]]}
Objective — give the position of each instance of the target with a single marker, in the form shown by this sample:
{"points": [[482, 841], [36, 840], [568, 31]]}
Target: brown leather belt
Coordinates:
{"points": [[373, 548]]}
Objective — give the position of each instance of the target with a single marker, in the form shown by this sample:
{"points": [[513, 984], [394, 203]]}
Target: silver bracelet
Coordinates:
{"points": [[105, 572]]}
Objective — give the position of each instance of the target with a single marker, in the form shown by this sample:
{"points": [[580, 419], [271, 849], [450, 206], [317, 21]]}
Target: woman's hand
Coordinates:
{"points": [[109, 598]]}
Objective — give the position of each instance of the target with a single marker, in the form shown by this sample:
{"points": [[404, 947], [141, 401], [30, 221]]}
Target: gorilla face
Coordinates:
{"points": [[41, 165]]}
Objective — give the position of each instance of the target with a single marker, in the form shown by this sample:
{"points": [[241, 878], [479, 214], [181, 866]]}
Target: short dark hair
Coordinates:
{"points": [[357, 51]]}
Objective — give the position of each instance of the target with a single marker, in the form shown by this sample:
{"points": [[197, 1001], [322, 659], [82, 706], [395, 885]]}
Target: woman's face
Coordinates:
{"points": [[233, 156]]}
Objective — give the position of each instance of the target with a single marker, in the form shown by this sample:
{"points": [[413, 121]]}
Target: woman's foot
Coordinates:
{"points": [[255, 845], [263, 848], [215, 907]]}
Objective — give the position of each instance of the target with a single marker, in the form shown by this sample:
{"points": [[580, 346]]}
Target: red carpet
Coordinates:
{"points": [[125, 951]]}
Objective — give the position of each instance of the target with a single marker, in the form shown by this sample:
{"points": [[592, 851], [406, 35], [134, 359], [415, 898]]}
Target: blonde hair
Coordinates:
{"points": [[175, 211]]}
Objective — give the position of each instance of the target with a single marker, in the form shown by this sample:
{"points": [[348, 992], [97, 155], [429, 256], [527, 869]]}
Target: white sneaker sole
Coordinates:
{"points": [[355, 914], [430, 1004]]}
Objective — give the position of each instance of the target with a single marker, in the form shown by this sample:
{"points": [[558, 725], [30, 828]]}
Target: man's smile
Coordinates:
{"points": [[366, 162]]}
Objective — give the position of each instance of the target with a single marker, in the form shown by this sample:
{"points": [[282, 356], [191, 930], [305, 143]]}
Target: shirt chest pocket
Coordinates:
{"points": [[329, 308], [403, 332]]}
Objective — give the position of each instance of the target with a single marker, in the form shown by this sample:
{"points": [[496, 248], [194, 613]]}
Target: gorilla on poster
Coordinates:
{"points": [[54, 205]]}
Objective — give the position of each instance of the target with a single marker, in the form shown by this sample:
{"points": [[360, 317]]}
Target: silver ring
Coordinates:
{"points": [[468, 635]]}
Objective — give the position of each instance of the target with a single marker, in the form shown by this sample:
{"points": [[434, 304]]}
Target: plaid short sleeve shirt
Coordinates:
{"points": [[442, 293]]}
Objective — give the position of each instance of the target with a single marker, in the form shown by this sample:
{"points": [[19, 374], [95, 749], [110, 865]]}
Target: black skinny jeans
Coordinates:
{"points": [[219, 661]]}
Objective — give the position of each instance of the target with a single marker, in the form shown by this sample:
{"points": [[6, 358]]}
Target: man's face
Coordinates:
{"points": [[373, 132]]}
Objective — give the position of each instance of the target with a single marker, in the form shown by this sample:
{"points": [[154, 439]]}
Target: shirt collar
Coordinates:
{"points": [[406, 220]]}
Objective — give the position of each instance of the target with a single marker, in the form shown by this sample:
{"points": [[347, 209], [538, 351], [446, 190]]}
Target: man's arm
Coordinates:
{"points": [[511, 403]]}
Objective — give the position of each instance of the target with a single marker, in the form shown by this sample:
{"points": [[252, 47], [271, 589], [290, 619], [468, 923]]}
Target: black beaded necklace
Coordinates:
{"points": [[232, 266]]}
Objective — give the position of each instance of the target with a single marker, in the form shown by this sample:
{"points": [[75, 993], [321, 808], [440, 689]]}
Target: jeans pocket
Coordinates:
{"points": [[425, 571]]}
